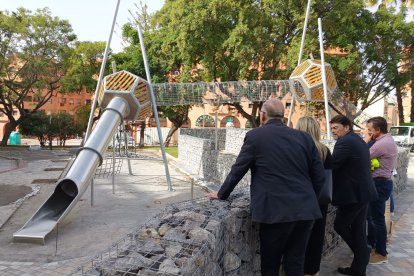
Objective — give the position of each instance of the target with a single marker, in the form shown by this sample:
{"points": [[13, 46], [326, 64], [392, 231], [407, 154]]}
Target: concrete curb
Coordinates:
{"points": [[20, 163]]}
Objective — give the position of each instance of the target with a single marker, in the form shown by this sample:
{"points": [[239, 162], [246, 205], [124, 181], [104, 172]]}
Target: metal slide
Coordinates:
{"points": [[69, 190], [123, 96]]}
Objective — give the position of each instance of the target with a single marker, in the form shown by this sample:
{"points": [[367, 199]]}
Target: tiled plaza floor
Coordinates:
{"points": [[401, 243]]}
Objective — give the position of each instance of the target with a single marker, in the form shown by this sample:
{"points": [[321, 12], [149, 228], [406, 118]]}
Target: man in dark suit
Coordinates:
{"points": [[353, 189], [287, 175]]}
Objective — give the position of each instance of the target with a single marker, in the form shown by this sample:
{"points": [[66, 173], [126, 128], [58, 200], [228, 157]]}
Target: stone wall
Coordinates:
{"points": [[217, 165], [206, 133], [234, 140], [400, 179], [197, 156], [204, 237], [200, 237]]}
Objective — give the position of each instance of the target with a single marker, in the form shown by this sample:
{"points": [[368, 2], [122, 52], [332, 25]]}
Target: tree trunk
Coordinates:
{"points": [[170, 134], [10, 127], [142, 135], [400, 105], [250, 117]]}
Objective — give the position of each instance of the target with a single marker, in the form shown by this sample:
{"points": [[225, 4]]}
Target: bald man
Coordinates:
{"points": [[287, 175]]}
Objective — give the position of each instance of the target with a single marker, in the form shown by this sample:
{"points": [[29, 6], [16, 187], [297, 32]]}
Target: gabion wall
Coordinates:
{"points": [[195, 155], [203, 236], [400, 180], [200, 237], [234, 140], [216, 166], [198, 157], [207, 133]]}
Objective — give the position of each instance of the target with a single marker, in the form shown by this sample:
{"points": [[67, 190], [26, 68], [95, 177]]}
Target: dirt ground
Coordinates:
{"points": [[9, 194]]}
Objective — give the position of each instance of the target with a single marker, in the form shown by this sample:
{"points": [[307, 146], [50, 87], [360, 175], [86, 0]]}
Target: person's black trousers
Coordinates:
{"points": [[287, 240], [314, 249], [377, 229], [350, 224]]}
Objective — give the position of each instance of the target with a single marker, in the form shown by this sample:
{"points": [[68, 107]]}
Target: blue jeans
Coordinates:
{"points": [[377, 230]]}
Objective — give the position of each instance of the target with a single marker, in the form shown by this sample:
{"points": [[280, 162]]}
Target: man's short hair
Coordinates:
{"points": [[273, 108], [340, 119], [379, 123]]}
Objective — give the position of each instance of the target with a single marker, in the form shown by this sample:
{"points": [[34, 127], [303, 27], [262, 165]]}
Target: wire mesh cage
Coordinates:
{"points": [[214, 92], [198, 237]]}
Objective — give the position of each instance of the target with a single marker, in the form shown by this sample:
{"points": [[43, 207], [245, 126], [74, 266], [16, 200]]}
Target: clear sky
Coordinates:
{"points": [[91, 20]]}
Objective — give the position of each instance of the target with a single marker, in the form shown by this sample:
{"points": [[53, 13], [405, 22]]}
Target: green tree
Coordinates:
{"points": [[178, 115], [37, 125], [34, 53], [84, 65], [372, 3], [63, 126], [250, 40], [82, 116]]}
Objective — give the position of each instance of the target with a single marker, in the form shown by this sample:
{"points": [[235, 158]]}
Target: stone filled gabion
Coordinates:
{"points": [[200, 237], [400, 179], [206, 237]]}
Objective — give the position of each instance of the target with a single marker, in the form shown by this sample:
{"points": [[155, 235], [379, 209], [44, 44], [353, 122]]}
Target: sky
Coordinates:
{"points": [[91, 20]]}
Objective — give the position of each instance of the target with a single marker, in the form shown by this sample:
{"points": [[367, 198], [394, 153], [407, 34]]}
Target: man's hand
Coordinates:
{"points": [[213, 195], [367, 138]]}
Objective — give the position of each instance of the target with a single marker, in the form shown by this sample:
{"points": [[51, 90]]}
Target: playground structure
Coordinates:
{"points": [[126, 97], [306, 81], [118, 99]]}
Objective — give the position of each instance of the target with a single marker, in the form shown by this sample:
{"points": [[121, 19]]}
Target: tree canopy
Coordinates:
{"points": [[34, 51], [231, 40], [39, 57]]}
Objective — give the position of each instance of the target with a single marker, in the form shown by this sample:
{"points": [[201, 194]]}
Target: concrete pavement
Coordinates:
{"points": [[87, 230], [401, 243]]}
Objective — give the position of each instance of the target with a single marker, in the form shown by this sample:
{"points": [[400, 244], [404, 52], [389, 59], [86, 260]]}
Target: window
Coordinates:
{"points": [[399, 131], [71, 101], [78, 101], [205, 121]]}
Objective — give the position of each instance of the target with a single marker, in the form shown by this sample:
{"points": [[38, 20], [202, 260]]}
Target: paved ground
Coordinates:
{"points": [[89, 230], [401, 244]]}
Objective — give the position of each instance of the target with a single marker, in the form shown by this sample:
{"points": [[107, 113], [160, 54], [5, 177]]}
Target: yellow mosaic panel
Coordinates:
{"points": [[142, 94], [144, 112], [301, 68], [121, 81], [100, 92], [317, 94], [313, 76], [330, 78]]}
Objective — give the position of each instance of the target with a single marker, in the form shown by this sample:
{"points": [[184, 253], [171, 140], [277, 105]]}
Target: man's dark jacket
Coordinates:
{"points": [[287, 174], [351, 171]]}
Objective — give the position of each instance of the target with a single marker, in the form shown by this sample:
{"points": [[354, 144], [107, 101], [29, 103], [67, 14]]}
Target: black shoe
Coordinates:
{"points": [[346, 270], [349, 271]]}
